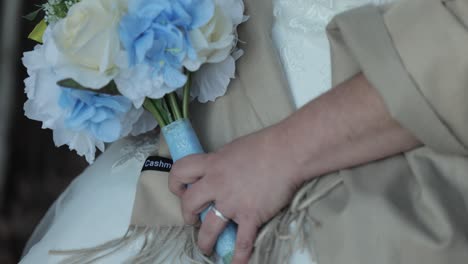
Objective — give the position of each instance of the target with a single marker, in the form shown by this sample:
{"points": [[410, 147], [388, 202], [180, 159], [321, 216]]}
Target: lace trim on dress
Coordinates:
{"points": [[138, 148]]}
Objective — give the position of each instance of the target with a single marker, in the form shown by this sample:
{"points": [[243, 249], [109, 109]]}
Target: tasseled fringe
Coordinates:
{"points": [[159, 244], [276, 242], [294, 227]]}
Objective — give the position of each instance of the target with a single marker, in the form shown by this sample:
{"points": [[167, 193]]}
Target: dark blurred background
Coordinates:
{"points": [[33, 172]]}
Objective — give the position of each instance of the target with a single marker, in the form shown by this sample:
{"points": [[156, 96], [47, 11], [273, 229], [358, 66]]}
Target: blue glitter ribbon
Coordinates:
{"points": [[183, 141]]}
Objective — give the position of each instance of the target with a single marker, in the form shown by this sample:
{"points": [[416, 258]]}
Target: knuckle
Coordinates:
{"points": [[245, 216], [185, 211], [176, 167], [189, 215], [173, 187], [209, 157], [244, 245], [186, 199], [204, 246], [189, 219]]}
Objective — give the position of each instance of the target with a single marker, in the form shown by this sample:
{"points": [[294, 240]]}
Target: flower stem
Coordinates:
{"points": [[166, 110], [186, 98], [174, 105], [148, 104]]}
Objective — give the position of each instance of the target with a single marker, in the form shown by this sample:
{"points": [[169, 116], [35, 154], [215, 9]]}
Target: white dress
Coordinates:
{"points": [[97, 206]]}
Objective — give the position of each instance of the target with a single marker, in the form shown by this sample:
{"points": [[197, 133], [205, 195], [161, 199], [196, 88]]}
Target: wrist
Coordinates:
{"points": [[293, 150]]}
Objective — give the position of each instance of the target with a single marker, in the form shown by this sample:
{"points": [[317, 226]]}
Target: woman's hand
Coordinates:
{"points": [[252, 178], [249, 180]]}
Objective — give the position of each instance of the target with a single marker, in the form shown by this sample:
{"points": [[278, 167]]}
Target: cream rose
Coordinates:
{"points": [[88, 41], [214, 41]]}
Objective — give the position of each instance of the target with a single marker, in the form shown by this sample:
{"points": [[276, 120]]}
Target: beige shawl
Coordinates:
{"points": [[410, 208]]}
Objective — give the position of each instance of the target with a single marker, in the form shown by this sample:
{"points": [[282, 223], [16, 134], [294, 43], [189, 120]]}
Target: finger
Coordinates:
{"points": [[209, 232], [195, 200], [186, 171], [246, 235], [179, 186]]}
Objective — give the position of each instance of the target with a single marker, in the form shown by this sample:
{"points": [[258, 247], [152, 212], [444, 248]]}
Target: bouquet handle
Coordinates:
{"points": [[183, 141]]}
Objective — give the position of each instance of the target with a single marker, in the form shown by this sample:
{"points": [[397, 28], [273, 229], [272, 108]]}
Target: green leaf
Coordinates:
{"points": [[38, 31], [33, 15], [110, 88]]}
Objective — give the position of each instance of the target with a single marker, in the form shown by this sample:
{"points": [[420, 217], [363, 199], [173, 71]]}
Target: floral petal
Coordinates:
{"points": [[212, 80]]}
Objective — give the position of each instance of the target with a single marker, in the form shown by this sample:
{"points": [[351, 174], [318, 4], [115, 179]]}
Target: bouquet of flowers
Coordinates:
{"points": [[105, 69]]}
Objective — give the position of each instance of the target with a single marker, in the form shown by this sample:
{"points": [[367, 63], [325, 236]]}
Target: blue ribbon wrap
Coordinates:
{"points": [[183, 141]]}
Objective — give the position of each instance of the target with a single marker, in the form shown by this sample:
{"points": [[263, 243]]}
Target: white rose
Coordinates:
{"points": [[211, 80], [42, 104], [234, 9], [214, 41], [138, 82], [88, 41]]}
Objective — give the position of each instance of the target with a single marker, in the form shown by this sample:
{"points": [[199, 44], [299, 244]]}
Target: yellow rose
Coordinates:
{"points": [[88, 41]]}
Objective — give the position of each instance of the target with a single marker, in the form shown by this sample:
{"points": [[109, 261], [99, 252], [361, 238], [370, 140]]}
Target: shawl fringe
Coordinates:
{"points": [[158, 244], [293, 228], [289, 231]]}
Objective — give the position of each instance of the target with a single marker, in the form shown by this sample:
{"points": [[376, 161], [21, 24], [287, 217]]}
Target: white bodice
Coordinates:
{"points": [[299, 35]]}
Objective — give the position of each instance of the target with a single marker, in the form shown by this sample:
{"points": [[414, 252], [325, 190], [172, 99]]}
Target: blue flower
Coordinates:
{"points": [[156, 32], [98, 114]]}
